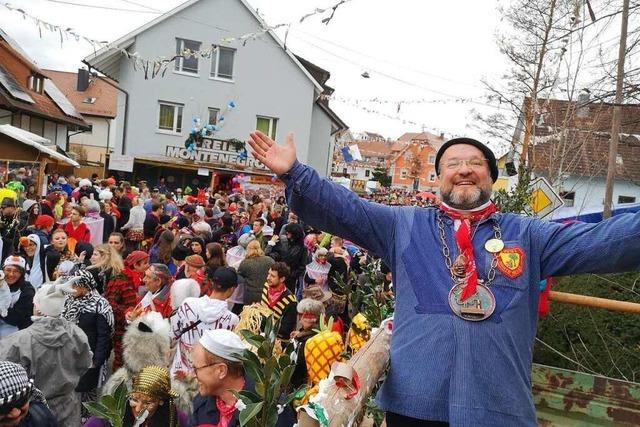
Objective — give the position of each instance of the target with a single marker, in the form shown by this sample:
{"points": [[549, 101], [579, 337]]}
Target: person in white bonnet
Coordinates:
{"points": [[54, 351], [218, 368]]}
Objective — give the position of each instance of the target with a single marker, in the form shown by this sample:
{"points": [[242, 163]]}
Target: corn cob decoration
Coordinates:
{"points": [[359, 332], [322, 350]]}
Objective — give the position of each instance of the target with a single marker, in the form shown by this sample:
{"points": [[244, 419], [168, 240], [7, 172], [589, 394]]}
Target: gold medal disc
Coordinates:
{"points": [[494, 245]]}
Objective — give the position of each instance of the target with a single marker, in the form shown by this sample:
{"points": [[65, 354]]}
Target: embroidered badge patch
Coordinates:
{"points": [[511, 261]]}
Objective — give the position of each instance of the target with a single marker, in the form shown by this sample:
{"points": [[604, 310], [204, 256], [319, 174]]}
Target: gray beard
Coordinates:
{"points": [[466, 201]]}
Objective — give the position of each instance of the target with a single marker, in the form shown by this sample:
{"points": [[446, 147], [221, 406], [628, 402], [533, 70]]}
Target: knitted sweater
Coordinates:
{"points": [[444, 368]]}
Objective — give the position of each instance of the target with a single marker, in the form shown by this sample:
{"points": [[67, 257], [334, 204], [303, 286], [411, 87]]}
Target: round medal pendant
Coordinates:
{"points": [[477, 307], [494, 245]]}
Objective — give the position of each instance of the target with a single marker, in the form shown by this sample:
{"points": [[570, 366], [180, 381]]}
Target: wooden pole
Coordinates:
{"points": [[370, 363], [617, 113], [595, 302]]}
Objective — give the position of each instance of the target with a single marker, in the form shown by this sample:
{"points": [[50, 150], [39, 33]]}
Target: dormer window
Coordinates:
{"points": [[36, 83]]}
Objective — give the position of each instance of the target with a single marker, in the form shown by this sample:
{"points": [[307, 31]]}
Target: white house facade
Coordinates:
{"points": [[240, 87]]}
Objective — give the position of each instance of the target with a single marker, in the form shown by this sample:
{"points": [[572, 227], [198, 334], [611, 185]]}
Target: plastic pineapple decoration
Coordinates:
{"points": [[359, 332], [322, 350]]}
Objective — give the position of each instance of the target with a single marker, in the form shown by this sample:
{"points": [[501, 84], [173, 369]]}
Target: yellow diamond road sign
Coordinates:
{"points": [[544, 199]]}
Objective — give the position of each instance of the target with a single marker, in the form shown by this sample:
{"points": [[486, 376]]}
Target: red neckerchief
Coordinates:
{"points": [[464, 240], [274, 294], [225, 411]]}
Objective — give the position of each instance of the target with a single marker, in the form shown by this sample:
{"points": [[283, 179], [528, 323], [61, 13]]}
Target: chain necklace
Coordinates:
{"points": [[482, 304]]}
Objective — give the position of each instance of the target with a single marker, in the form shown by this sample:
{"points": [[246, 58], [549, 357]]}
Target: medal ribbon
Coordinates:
{"points": [[465, 243]]}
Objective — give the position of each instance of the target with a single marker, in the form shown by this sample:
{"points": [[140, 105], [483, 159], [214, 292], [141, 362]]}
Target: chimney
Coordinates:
{"points": [[83, 80], [583, 103]]}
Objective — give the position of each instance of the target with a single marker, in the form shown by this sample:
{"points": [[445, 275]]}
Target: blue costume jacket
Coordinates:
{"points": [[442, 367]]}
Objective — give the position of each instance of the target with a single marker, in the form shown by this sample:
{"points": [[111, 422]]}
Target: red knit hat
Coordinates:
{"points": [[44, 221], [195, 261], [134, 257]]}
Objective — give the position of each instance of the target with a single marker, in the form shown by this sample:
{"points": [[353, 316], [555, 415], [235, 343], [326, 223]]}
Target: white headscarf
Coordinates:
{"points": [[34, 275]]}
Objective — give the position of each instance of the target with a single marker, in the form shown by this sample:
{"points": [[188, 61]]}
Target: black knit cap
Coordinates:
{"points": [[488, 154]]}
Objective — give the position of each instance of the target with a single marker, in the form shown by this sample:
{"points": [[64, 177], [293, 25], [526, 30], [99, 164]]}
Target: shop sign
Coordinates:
{"points": [[119, 162], [214, 151]]}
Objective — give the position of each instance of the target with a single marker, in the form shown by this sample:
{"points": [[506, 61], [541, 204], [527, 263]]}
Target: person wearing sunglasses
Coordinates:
{"points": [[21, 404]]}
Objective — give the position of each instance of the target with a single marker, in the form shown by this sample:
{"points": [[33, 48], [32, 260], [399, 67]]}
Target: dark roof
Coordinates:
{"points": [[579, 134], [586, 154]]}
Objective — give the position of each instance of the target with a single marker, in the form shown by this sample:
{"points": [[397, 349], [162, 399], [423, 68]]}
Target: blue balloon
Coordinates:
{"points": [[221, 119], [232, 105]]}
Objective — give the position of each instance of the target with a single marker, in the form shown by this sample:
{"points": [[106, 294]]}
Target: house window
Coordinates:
{"points": [[367, 173], [344, 171], [170, 117], [36, 83], [432, 176], [213, 116], [267, 125], [222, 62], [626, 199], [187, 63], [568, 197], [432, 159], [403, 173], [89, 100], [90, 129]]}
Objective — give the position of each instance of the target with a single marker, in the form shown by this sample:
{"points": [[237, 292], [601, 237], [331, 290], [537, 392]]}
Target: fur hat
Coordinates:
{"points": [[50, 297], [183, 289], [84, 183], [147, 342], [14, 260], [105, 195]]}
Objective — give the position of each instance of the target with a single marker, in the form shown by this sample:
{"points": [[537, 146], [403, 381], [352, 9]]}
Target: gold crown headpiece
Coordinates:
{"points": [[154, 381]]}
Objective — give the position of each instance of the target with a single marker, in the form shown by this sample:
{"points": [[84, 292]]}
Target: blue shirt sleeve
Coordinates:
{"points": [[609, 246], [337, 210]]}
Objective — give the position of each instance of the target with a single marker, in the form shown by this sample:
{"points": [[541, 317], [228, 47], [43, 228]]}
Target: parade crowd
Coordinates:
{"points": [[150, 296]]}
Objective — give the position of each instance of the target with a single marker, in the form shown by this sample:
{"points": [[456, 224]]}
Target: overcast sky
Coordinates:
{"points": [[412, 50]]}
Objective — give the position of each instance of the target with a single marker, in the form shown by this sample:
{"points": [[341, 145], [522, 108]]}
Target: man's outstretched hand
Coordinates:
{"points": [[278, 158]]}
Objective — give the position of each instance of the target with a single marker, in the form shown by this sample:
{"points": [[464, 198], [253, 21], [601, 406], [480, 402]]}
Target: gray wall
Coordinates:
{"points": [[266, 82], [320, 142]]}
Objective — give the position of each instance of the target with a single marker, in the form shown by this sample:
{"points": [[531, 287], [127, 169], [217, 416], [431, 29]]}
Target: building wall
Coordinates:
{"points": [[427, 170], [320, 145], [93, 145], [590, 192], [266, 82]]}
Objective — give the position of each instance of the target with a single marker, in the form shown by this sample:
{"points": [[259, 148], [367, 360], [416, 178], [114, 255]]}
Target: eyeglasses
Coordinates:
{"points": [[197, 368], [474, 163]]}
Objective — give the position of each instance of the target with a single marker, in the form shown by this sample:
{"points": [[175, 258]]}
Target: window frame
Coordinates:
{"points": [[367, 173], [404, 173], [272, 132], [175, 130], [36, 83], [214, 67], [217, 116], [433, 176], [431, 159], [179, 68], [631, 199], [570, 200]]}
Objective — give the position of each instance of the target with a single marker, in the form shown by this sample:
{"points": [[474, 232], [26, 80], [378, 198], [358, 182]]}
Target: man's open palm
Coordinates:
{"points": [[278, 158]]}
